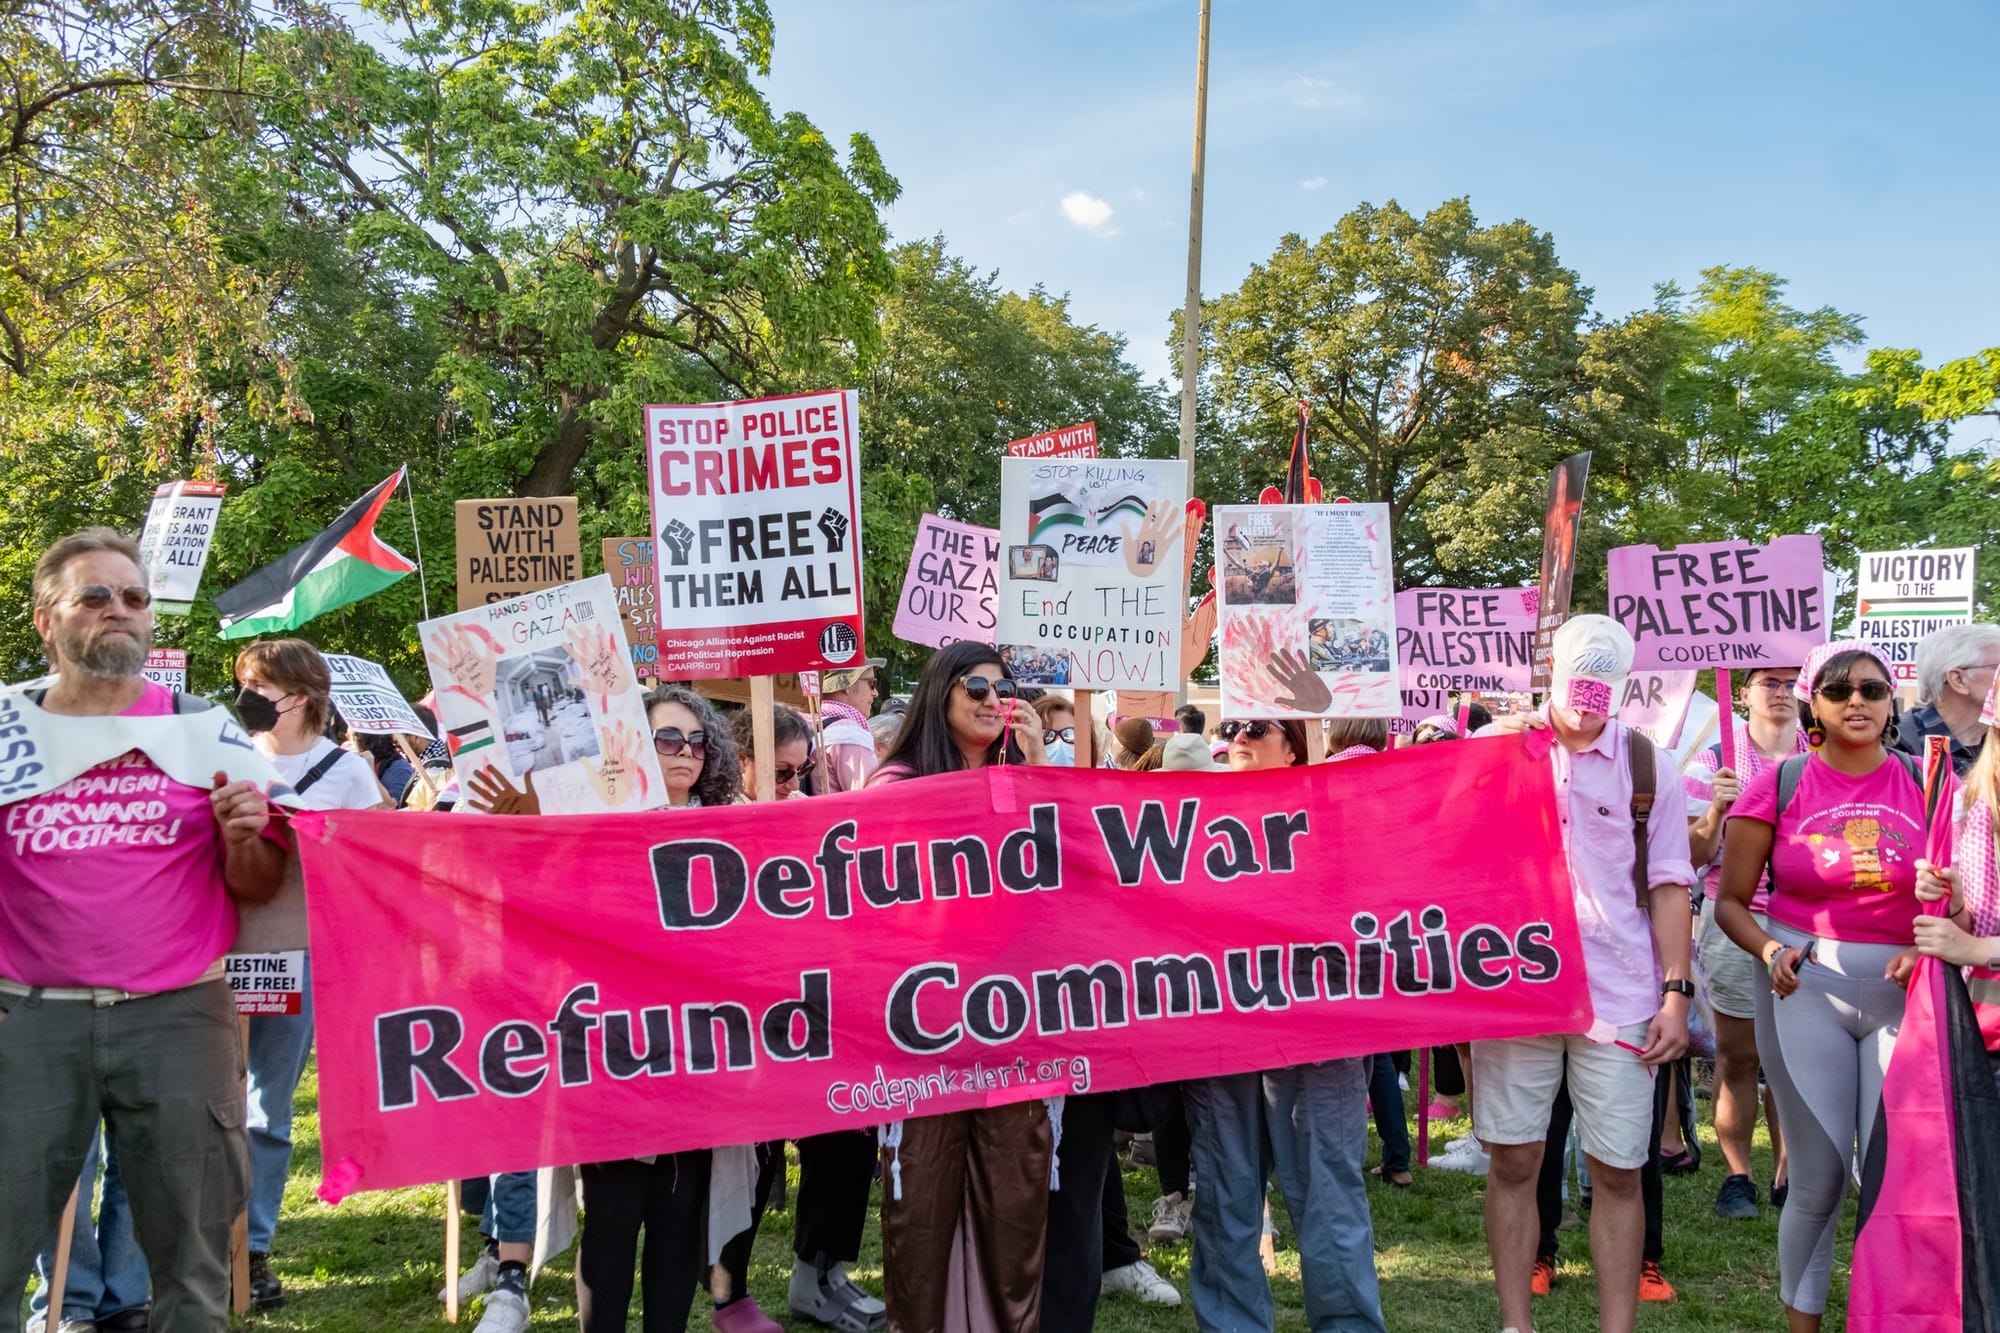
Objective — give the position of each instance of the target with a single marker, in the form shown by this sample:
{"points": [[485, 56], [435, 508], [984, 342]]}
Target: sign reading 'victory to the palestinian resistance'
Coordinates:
{"points": [[1903, 595], [1308, 611], [746, 973], [510, 547], [952, 589], [1092, 585], [1460, 640], [757, 532], [1720, 604], [368, 700]]}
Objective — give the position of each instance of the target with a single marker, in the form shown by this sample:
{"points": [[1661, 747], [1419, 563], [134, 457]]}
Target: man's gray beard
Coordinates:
{"points": [[111, 656]]}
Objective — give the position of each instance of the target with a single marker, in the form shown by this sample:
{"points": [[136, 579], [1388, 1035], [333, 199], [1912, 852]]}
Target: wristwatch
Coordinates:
{"points": [[1677, 987]]}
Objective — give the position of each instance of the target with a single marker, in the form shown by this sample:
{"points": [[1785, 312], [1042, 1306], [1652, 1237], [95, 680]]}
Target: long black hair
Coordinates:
{"points": [[1839, 670], [721, 780], [926, 746]]}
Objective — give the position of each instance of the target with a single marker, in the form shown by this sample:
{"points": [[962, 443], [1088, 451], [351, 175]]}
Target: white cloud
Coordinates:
{"points": [[1315, 94], [1313, 183], [1087, 211]]}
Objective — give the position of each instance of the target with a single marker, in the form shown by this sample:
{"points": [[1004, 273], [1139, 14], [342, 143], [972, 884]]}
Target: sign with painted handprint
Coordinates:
{"points": [[1308, 611], [539, 691], [756, 535], [1093, 584]]}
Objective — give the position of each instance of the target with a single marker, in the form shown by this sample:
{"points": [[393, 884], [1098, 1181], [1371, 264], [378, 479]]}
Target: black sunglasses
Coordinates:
{"points": [[1840, 691], [670, 741], [1055, 734], [95, 597], [978, 687], [1255, 731], [786, 774]]}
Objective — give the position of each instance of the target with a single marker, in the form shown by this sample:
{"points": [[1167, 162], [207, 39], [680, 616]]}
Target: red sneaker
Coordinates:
{"points": [[1653, 1286], [1545, 1276]]}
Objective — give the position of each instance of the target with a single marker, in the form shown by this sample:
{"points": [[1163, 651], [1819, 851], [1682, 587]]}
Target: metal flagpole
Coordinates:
{"points": [[417, 537], [1191, 312]]}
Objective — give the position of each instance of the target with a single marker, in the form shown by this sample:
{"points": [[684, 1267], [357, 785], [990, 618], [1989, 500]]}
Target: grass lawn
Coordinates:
{"points": [[374, 1263]]}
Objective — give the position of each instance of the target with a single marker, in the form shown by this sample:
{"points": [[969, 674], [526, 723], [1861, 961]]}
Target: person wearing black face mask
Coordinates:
{"points": [[285, 703]]}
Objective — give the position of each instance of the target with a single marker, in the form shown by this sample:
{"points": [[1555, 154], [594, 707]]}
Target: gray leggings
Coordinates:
{"points": [[1825, 1048]]}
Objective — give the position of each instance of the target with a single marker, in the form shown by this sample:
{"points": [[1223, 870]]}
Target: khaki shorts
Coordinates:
{"points": [[1514, 1084], [1733, 976]]}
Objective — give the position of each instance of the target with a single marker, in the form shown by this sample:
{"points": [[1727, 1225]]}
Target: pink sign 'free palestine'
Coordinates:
{"points": [[1720, 604], [951, 586]]}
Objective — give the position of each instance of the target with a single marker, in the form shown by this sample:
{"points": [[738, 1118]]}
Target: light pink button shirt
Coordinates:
{"points": [[1594, 799]]}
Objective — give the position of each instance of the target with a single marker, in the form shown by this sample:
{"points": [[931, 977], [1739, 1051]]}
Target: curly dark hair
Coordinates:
{"points": [[721, 780]]}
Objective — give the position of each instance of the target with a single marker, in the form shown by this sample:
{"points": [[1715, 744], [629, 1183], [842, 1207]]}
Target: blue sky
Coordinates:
{"points": [[1844, 146]]}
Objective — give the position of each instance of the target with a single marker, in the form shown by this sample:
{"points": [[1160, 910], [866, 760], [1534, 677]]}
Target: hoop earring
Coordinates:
{"points": [[1889, 733], [1815, 735]]}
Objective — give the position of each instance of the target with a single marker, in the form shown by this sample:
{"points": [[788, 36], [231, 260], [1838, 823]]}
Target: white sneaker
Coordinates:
{"points": [[834, 1300], [1139, 1279], [1469, 1157], [506, 1312], [479, 1279], [1173, 1214]]}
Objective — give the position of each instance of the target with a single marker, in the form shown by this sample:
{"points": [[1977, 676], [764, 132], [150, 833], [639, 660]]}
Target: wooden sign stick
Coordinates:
{"points": [[59, 1270], [453, 1198], [763, 726]]}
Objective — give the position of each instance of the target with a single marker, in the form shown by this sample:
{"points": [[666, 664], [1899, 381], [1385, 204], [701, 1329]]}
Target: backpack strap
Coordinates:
{"points": [[318, 771], [1640, 754]]}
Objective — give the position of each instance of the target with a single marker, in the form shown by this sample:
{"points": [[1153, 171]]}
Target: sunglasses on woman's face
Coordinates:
{"points": [[1840, 691], [1254, 731], [786, 775], [978, 687], [1054, 734], [670, 741]]}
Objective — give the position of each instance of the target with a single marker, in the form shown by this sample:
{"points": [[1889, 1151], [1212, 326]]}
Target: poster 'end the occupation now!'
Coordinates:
{"points": [[757, 534]]}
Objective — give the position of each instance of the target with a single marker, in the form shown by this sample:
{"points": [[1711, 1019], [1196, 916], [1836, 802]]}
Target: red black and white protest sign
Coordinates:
{"points": [[1078, 441], [757, 531]]}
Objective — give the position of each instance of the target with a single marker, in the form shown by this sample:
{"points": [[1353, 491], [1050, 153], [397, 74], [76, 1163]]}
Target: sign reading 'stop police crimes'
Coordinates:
{"points": [[757, 532]]}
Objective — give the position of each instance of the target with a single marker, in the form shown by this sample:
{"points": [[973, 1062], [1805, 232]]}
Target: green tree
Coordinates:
{"points": [[1421, 343]]}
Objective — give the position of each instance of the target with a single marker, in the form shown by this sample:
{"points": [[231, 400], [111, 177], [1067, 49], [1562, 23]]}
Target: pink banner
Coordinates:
{"points": [[1458, 640], [951, 585], [727, 975], [1720, 604]]}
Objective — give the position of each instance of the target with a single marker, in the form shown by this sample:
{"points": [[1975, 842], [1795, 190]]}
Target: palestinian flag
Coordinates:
{"points": [[344, 564]]}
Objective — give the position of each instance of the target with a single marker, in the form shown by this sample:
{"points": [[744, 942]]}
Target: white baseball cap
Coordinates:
{"points": [[1589, 660]]}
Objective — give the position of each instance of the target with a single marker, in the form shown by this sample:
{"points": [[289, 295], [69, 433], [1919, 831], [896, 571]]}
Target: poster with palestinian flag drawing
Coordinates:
{"points": [[1093, 588], [344, 564]]}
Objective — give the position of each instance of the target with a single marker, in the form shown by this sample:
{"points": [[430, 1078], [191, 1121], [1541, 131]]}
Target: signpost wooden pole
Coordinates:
{"points": [[59, 1270], [1424, 1107], [452, 1200], [1085, 755], [239, 1234], [416, 762], [763, 725], [1725, 717]]}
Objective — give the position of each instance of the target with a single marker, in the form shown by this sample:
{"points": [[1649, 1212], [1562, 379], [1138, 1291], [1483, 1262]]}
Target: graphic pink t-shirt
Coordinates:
{"points": [[114, 878], [1846, 852]]}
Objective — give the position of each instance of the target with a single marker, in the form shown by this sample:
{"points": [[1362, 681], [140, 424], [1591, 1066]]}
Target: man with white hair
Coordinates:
{"points": [[1955, 669], [1636, 927]]}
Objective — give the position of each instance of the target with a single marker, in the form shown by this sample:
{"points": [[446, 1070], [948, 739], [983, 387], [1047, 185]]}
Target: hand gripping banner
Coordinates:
{"points": [[504, 993]]}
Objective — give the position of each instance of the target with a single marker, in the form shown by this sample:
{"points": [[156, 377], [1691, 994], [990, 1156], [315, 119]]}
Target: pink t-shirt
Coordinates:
{"points": [[114, 879], [1846, 851], [1700, 782]]}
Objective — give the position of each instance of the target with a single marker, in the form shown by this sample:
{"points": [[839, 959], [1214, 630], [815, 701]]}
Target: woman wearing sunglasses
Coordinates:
{"points": [[687, 1203], [980, 1178], [1840, 830], [1309, 1123]]}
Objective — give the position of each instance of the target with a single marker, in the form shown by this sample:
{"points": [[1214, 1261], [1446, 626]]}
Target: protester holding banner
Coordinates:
{"points": [[1840, 831], [1309, 1123], [113, 1005], [1956, 668], [1733, 977], [1968, 935], [284, 701], [971, 1188], [1631, 883], [848, 753]]}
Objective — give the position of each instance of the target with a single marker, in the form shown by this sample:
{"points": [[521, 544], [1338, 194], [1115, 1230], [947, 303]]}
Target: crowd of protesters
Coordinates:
{"points": [[1777, 902]]}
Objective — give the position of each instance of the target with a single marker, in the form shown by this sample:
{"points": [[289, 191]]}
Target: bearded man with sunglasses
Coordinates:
{"points": [[129, 848]]}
